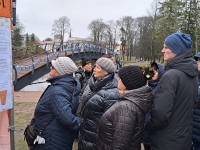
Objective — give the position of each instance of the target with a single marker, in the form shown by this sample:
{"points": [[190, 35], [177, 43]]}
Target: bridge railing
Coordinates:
{"points": [[50, 50], [31, 58]]}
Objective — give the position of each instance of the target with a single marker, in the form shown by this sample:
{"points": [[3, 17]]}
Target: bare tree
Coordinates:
{"points": [[112, 33], [127, 25], [48, 39], [155, 42], [61, 26], [97, 28]]}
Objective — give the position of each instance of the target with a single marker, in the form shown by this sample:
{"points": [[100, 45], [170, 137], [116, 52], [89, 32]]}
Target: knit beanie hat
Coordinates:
{"points": [[132, 77], [64, 65], [178, 42], [106, 64], [154, 65], [196, 56], [85, 61]]}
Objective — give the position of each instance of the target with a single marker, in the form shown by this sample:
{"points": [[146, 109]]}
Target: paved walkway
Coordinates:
{"points": [[27, 96]]}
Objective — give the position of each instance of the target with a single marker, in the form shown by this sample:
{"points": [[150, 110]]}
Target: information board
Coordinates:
{"points": [[5, 65]]}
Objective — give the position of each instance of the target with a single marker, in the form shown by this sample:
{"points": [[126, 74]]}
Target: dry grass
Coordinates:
{"points": [[23, 114]]}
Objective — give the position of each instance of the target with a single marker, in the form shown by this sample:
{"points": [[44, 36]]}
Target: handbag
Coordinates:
{"points": [[31, 132]]}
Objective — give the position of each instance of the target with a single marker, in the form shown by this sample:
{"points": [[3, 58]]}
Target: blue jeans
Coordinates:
{"points": [[196, 145]]}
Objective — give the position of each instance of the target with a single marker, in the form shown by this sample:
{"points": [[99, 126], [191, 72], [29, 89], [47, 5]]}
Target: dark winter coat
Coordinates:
{"points": [[83, 76], [196, 118], [153, 84], [106, 94], [59, 103], [170, 124], [120, 127]]}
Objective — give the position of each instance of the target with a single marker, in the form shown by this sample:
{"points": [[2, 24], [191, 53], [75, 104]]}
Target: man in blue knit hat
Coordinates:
{"points": [[170, 124]]}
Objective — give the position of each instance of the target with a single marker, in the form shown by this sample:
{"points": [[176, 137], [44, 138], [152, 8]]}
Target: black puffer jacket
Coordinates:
{"points": [[120, 127], [106, 94], [170, 124]]}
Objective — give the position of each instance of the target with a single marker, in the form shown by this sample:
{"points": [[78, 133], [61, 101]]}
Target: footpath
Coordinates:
{"points": [[27, 96]]}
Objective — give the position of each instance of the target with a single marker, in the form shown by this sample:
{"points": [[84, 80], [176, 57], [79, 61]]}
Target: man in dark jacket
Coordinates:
{"points": [[170, 124], [196, 116], [84, 73]]}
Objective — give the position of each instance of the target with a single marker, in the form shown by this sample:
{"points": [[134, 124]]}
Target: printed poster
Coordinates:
{"points": [[5, 65]]}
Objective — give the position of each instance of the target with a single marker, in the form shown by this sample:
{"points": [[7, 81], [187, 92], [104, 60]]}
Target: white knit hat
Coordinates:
{"points": [[64, 65]]}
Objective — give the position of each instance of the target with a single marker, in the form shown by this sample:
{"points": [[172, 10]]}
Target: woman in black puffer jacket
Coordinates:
{"points": [[100, 94], [120, 127]]}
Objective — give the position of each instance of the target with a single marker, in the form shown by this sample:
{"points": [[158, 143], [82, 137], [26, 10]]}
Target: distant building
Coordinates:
{"points": [[23, 37], [57, 38], [47, 45], [78, 39]]}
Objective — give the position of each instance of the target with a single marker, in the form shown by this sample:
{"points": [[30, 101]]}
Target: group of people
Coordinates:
{"points": [[109, 108]]}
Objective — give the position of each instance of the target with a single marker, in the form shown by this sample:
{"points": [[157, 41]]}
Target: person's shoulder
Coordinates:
{"points": [[173, 72], [80, 69], [171, 75]]}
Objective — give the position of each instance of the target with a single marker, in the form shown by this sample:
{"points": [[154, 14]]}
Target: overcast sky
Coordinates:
{"points": [[38, 15]]}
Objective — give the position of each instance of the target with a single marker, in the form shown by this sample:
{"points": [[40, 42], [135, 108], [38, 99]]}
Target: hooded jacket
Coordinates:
{"points": [[196, 118], [58, 105], [120, 127], [105, 94], [153, 84], [173, 105]]}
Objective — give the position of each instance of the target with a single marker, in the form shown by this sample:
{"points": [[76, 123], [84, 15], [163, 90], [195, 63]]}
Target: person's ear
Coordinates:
{"points": [[105, 72]]}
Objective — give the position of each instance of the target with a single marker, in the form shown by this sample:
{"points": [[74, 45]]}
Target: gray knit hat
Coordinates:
{"points": [[64, 65], [106, 64]]}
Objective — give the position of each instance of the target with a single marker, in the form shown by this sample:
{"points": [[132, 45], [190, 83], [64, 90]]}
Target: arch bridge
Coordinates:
{"points": [[31, 63]]}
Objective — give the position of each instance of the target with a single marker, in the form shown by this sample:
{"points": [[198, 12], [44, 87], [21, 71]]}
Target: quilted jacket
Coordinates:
{"points": [[105, 95], [58, 105], [120, 127]]}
